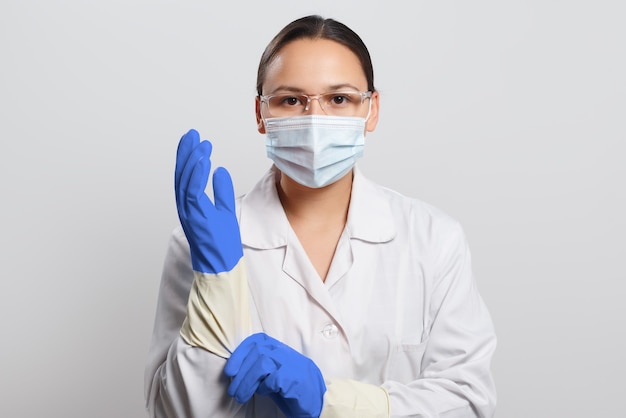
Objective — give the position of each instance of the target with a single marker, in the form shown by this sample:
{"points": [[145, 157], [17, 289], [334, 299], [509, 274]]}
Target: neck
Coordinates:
{"points": [[325, 204]]}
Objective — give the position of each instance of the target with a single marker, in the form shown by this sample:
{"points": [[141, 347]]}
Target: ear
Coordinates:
{"points": [[259, 120], [372, 121]]}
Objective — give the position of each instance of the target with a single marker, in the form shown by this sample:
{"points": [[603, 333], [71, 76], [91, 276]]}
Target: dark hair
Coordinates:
{"points": [[316, 27]]}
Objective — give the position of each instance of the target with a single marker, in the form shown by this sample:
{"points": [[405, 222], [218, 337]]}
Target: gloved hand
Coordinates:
{"points": [[265, 366], [211, 229]]}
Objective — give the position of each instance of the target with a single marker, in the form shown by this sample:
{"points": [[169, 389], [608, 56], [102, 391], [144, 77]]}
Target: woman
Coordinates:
{"points": [[318, 293]]}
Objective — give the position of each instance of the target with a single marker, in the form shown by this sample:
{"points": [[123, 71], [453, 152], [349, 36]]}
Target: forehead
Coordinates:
{"points": [[313, 66]]}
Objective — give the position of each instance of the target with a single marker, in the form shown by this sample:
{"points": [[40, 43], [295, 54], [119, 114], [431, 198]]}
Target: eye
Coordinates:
{"points": [[288, 101], [340, 99]]}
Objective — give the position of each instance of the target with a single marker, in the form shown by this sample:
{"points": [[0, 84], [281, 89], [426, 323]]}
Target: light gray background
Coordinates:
{"points": [[507, 115]]}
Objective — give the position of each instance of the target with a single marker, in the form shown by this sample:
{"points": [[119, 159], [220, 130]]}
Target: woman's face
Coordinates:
{"points": [[314, 66]]}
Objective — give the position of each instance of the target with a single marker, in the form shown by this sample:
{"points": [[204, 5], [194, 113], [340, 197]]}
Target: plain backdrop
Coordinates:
{"points": [[510, 116]]}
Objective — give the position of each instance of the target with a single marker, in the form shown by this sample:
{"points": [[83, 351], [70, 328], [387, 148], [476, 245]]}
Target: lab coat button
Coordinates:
{"points": [[330, 331]]}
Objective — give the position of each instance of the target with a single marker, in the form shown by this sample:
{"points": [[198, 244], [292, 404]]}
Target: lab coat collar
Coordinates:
{"points": [[262, 220], [369, 216], [264, 225]]}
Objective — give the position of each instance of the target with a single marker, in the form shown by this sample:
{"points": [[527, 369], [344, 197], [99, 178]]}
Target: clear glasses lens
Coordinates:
{"points": [[334, 103]]}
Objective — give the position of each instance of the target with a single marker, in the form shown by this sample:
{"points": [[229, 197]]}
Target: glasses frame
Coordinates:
{"points": [[310, 97]]}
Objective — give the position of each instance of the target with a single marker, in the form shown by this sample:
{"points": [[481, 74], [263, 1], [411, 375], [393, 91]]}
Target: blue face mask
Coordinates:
{"points": [[315, 150]]}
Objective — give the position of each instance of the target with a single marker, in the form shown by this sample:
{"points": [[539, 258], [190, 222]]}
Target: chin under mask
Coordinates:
{"points": [[315, 150]]}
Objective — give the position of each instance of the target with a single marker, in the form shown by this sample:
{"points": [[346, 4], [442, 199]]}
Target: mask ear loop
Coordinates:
{"points": [[263, 118], [369, 110]]}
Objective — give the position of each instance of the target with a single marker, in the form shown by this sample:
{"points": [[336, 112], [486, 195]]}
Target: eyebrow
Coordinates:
{"points": [[333, 87]]}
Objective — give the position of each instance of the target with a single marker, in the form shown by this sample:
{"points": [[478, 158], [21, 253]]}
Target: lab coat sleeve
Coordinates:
{"points": [[459, 340], [346, 398], [218, 311], [182, 381]]}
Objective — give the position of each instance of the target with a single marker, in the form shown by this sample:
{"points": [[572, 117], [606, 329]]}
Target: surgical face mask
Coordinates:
{"points": [[315, 150]]}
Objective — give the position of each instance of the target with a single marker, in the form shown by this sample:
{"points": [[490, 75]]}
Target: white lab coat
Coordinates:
{"points": [[399, 309]]}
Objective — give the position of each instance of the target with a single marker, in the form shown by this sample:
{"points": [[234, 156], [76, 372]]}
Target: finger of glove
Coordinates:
{"points": [[297, 408], [254, 369], [294, 371], [196, 200], [275, 382], [242, 351], [223, 190], [186, 144], [191, 177], [296, 398]]}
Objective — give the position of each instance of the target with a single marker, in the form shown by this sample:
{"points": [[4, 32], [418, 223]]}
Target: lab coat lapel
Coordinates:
{"points": [[342, 261], [370, 218], [298, 266], [264, 226], [262, 220]]}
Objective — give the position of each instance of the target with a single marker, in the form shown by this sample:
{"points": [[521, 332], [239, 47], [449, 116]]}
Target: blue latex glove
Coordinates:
{"points": [[211, 229], [265, 366]]}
